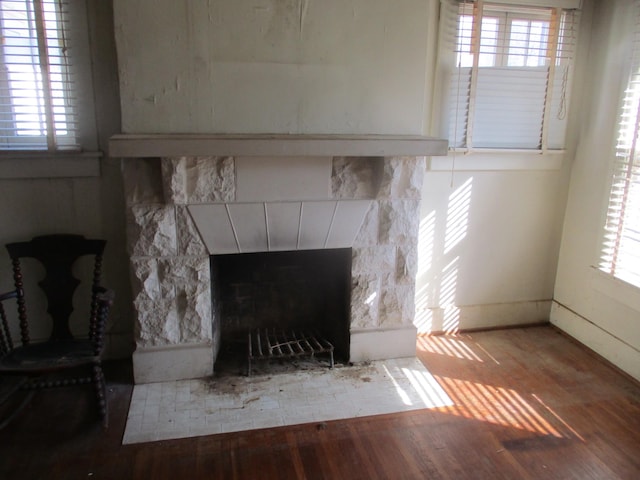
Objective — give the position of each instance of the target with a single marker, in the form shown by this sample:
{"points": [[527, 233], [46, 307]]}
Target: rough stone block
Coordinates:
{"points": [[210, 179], [399, 221], [189, 240], [369, 230], [397, 305], [406, 266], [174, 180], [157, 317], [402, 177], [198, 179], [142, 181], [152, 231], [173, 300], [190, 278], [373, 259], [354, 177], [365, 293]]}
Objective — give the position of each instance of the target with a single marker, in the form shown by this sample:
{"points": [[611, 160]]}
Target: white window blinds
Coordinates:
{"points": [[620, 255], [511, 81], [37, 106]]}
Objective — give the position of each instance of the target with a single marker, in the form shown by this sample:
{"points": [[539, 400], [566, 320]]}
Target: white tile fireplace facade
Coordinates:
{"points": [[186, 204]]}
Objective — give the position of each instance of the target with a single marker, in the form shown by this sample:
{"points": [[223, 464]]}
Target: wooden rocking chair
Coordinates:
{"points": [[63, 359]]}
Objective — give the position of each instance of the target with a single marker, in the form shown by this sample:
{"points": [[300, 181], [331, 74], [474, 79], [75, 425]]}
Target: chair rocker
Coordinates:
{"points": [[63, 359]]}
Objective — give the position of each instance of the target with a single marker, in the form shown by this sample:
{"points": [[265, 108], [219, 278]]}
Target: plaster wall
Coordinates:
{"points": [[488, 243], [274, 66], [595, 308]]}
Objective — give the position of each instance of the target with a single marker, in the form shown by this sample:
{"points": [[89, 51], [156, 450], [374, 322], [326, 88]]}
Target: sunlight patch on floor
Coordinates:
{"points": [[447, 345], [493, 404]]}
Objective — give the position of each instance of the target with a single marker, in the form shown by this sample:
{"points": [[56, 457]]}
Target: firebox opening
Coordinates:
{"points": [[304, 290]]}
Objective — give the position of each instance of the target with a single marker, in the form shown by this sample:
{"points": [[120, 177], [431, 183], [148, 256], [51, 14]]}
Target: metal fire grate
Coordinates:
{"points": [[274, 343]]}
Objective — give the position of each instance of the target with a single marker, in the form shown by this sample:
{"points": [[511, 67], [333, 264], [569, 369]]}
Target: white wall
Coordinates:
{"points": [[488, 248], [273, 66], [596, 309], [57, 200]]}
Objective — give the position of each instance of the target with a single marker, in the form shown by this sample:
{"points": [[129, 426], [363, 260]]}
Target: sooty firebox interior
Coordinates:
{"points": [[292, 291]]}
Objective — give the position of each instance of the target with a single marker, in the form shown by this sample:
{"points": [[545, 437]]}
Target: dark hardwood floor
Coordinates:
{"points": [[525, 404]]}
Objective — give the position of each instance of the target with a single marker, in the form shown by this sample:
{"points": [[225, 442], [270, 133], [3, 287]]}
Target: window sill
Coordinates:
{"points": [[619, 290], [45, 165], [498, 159]]}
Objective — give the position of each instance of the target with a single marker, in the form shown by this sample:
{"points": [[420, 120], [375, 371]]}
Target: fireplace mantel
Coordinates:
{"points": [[292, 145]]}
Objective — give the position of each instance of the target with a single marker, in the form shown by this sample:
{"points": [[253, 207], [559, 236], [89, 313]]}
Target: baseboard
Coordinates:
{"points": [[612, 349], [519, 326], [382, 344], [181, 362], [482, 317]]}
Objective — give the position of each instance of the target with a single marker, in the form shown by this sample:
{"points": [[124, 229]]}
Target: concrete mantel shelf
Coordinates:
{"points": [[294, 145]]}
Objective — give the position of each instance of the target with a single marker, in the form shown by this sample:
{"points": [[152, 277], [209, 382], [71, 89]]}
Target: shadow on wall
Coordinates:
{"points": [[441, 237]]}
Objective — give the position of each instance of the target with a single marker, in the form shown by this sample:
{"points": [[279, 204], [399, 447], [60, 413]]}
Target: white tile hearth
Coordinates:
{"points": [[188, 408]]}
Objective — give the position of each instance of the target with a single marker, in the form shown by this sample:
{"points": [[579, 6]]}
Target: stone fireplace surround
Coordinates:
{"points": [[189, 197]]}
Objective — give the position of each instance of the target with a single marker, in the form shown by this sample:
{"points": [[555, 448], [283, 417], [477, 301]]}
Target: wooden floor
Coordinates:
{"points": [[525, 403]]}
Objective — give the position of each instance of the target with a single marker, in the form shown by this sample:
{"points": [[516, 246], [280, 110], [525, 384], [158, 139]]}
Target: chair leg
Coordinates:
{"points": [[101, 394]]}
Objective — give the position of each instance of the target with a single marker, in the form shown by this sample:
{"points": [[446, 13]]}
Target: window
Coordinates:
{"points": [[38, 95], [620, 254], [510, 85]]}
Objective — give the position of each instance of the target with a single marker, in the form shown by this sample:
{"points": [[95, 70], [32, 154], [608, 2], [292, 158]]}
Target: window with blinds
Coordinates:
{"points": [[37, 104], [510, 85], [620, 254]]}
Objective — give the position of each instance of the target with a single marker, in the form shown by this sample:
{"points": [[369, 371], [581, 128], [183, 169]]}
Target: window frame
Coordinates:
{"points": [[505, 16], [445, 110], [85, 161], [623, 189], [77, 36]]}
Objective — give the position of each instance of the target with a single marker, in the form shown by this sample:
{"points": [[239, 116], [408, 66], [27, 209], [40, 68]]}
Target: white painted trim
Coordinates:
{"points": [[567, 4], [160, 145], [174, 362], [597, 339], [487, 160], [382, 344], [492, 315], [617, 289], [50, 166]]}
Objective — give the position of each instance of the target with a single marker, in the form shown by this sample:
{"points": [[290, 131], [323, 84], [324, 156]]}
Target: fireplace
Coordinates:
{"points": [[286, 296], [194, 202]]}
